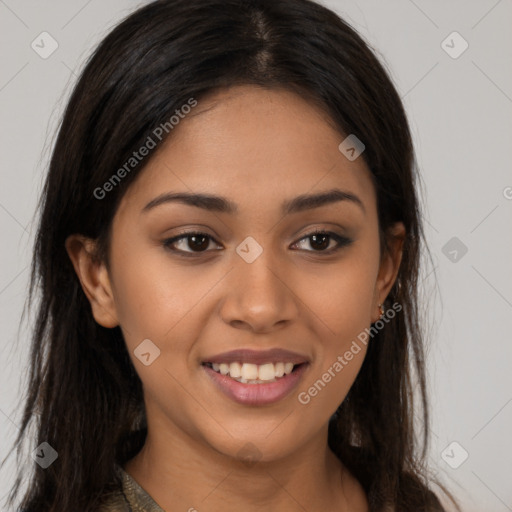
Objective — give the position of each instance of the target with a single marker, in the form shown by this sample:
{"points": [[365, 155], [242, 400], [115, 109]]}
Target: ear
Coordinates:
{"points": [[94, 278], [389, 265]]}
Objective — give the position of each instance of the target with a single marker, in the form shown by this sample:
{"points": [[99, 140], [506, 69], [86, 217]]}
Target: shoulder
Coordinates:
{"points": [[115, 500], [114, 503], [128, 497]]}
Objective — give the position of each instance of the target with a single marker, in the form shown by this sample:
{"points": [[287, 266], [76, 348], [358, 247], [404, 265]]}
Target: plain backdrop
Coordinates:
{"points": [[451, 63]]}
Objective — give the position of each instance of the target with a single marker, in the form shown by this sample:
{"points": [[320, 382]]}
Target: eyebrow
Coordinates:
{"points": [[222, 205]]}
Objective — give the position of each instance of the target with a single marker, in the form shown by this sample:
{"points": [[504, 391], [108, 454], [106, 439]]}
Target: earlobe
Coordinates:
{"points": [[389, 266], [94, 278]]}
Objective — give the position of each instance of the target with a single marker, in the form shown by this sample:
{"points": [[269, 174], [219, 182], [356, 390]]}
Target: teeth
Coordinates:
{"points": [[279, 369], [249, 371], [235, 370], [253, 373], [266, 372], [288, 367]]}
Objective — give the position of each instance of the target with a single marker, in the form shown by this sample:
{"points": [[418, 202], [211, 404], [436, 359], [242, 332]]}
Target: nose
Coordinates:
{"points": [[259, 296]]}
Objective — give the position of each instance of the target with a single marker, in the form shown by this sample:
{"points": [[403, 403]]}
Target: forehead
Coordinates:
{"points": [[253, 145]]}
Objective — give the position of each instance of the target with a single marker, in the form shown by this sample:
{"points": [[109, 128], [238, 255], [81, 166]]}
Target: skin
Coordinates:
{"points": [[257, 148]]}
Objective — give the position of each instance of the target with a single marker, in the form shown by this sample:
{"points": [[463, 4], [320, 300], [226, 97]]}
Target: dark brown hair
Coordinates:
{"points": [[84, 397]]}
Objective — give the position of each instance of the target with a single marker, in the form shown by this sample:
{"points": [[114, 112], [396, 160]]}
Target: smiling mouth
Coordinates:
{"points": [[249, 373]]}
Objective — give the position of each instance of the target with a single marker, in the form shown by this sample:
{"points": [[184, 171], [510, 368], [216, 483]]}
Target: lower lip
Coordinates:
{"points": [[256, 394]]}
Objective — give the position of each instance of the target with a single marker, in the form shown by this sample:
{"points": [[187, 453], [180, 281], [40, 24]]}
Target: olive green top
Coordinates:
{"points": [[132, 497]]}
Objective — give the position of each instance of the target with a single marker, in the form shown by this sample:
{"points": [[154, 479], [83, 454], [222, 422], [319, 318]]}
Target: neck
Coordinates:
{"points": [[181, 472]]}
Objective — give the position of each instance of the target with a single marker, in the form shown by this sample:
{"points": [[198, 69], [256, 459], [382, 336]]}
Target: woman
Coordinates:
{"points": [[228, 258]]}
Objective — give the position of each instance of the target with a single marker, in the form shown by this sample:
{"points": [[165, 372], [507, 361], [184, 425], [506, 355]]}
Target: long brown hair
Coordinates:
{"points": [[85, 398]]}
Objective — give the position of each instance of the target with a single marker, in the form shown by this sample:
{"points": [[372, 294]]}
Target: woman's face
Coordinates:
{"points": [[253, 280]]}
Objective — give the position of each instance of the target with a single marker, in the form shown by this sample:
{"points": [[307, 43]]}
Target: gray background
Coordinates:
{"points": [[460, 110]]}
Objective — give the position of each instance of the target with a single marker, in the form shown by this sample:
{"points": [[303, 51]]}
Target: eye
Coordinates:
{"points": [[192, 242], [320, 241]]}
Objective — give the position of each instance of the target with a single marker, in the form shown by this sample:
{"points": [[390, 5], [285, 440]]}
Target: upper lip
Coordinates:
{"points": [[275, 355]]}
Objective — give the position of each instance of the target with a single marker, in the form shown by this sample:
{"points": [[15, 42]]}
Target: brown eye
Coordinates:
{"points": [[320, 241], [189, 243], [199, 242], [194, 243]]}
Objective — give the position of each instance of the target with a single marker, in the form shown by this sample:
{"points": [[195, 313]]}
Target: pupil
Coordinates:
{"points": [[318, 242], [324, 243], [196, 245]]}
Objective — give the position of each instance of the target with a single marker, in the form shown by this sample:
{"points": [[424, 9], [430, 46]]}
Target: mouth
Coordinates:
{"points": [[249, 373], [256, 377]]}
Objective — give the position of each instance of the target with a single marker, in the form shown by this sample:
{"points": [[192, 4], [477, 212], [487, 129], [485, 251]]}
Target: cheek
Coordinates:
{"points": [[341, 298], [154, 296], [343, 306], [326, 389], [345, 314], [158, 301]]}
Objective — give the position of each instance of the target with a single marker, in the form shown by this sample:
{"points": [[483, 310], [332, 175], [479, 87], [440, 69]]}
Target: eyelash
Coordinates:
{"points": [[342, 241]]}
